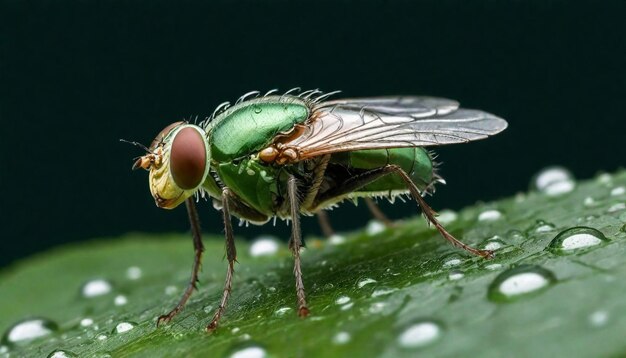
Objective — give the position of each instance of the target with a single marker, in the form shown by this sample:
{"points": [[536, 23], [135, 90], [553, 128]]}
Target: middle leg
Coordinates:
{"points": [[295, 243]]}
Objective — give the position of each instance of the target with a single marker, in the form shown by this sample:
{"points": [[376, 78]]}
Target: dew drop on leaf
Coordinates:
{"points": [[451, 260], [455, 275], [377, 307], [447, 216], [419, 334], [341, 338], [617, 191], [336, 239], [28, 330], [599, 318], [374, 227], [281, 311], [61, 354], [120, 300], [541, 226], [96, 287], [264, 246], [342, 300], [579, 237], [249, 352], [86, 322], [554, 181], [383, 291], [133, 273], [519, 282], [489, 215], [365, 281], [493, 267], [124, 327], [616, 207]]}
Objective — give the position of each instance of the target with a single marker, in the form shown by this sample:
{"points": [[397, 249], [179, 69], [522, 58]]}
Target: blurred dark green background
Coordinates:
{"points": [[77, 76]]}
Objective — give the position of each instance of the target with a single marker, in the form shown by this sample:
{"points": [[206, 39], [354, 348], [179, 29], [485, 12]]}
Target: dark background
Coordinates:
{"points": [[77, 76]]}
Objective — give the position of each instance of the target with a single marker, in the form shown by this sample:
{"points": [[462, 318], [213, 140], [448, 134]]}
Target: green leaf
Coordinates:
{"points": [[398, 292]]}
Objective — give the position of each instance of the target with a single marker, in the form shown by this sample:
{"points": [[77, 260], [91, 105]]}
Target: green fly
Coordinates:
{"points": [[292, 154]]}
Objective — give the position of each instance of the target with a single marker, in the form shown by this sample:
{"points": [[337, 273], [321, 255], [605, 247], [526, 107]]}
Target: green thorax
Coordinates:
{"points": [[250, 126]]}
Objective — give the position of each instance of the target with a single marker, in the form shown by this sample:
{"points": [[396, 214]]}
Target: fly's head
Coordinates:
{"points": [[178, 161]]}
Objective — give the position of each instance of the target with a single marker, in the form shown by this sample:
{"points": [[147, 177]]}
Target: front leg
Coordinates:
{"points": [[198, 249], [295, 243], [231, 256]]}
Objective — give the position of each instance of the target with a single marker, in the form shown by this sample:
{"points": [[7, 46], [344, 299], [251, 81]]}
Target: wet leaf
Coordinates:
{"points": [[390, 293]]}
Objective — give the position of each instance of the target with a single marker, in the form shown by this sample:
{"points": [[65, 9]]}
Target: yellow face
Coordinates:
{"points": [[178, 164]]}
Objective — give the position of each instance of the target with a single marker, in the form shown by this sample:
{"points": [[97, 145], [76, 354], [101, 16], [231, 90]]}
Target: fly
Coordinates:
{"points": [[296, 154]]}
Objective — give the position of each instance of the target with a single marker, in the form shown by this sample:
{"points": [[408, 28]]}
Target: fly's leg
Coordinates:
{"points": [[430, 215], [198, 249], [231, 256], [295, 243], [324, 222], [370, 176], [377, 213]]}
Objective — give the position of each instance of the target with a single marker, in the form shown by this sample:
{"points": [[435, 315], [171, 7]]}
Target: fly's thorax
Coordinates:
{"points": [[178, 164], [251, 126]]}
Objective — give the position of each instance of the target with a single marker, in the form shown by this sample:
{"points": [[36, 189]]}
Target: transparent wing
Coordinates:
{"points": [[390, 122]]}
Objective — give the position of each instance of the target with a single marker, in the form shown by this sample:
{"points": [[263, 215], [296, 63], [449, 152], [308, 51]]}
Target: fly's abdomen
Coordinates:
{"points": [[413, 160], [251, 125]]}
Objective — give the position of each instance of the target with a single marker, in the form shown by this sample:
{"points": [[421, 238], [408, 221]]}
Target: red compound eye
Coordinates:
{"points": [[188, 158]]}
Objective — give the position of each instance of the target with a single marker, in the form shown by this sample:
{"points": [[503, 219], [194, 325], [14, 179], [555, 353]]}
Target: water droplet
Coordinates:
{"points": [[133, 273], [605, 178], [365, 281], [235, 330], [578, 237], [258, 110], [616, 207], [519, 282], [541, 226], [493, 267], [29, 329], [97, 287], [264, 246], [102, 337], [120, 300], [515, 236], [281, 311], [489, 215], [419, 334], [599, 318], [455, 275], [170, 290], [208, 309], [124, 327], [342, 300], [249, 352], [342, 338], [451, 260], [61, 354], [375, 227], [447, 216], [617, 191], [383, 291], [347, 306], [492, 244], [589, 201], [554, 181], [86, 322], [336, 239], [377, 307]]}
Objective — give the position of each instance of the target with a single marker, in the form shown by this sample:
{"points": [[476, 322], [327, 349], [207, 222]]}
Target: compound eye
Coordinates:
{"points": [[162, 134], [188, 158]]}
